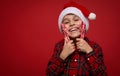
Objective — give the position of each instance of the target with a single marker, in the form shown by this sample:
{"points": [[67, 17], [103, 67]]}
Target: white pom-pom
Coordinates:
{"points": [[92, 16]]}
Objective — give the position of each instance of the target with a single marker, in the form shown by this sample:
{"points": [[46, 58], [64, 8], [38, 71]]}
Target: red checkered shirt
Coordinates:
{"points": [[78, 63]]}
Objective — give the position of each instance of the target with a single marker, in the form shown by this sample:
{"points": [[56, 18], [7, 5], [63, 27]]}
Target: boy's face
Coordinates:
{"points": [[72, 23]]}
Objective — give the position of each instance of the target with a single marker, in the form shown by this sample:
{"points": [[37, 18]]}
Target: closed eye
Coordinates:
{"points": [[66, 22], [76, 20]]}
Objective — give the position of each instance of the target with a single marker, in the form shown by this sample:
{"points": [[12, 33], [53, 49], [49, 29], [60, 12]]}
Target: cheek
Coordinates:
{"points": [[67, 26], [80, 22]]}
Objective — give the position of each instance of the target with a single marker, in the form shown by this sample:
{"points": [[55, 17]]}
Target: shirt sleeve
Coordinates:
{"points": [[96, 61], [56, 64]]}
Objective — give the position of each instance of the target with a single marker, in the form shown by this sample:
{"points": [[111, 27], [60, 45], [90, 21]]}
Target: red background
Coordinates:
{"points": [[29, 31]]}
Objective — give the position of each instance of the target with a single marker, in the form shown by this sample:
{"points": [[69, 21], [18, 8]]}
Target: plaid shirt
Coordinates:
{"points": [[78, 63]]}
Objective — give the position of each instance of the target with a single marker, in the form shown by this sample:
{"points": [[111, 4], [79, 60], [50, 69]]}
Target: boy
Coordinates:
{"points": [[76, 55]]}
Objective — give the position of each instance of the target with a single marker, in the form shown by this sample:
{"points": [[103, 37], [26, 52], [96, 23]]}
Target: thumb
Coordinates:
{"points": [[66, 40]]}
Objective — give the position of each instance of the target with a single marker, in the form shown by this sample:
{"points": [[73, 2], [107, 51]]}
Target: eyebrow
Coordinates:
{"points": [[76, 16], [73, 17], [65, 19]]}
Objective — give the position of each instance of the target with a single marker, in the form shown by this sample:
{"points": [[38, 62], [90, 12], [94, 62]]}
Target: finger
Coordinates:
{"points": [[72, 44], [80, 44], [73, 48], [70, 41], [78, 47], [77, 43], [79, 39], [65, 41]]}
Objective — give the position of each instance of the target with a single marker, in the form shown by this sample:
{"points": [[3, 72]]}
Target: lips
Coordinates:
{"points": [[74, 29]]}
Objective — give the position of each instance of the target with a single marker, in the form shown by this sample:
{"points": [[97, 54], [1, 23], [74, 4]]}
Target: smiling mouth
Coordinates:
{"points": [[74, 29]]}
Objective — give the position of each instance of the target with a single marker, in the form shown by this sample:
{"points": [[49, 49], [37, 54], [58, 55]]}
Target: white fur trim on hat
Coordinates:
{"points": [[75, 11]]}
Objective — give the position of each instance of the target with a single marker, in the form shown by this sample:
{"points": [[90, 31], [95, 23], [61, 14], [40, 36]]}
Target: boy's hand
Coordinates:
{"points": [[83, 45], [68, 49]]}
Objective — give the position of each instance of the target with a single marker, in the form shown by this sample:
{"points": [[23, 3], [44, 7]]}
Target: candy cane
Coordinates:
{"points": [[82, 30], [65, 31]]}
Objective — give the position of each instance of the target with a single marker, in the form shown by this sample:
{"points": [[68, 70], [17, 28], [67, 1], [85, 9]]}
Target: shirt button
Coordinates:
{"points": [[75, 60], [88, 58], [73, 75]]}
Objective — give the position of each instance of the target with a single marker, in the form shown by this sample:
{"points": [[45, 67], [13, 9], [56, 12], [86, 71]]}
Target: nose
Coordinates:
{"points": [[72, 23]]}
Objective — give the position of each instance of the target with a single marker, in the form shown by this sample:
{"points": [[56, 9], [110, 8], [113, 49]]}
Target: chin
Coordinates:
{"points": [[74, 36]]}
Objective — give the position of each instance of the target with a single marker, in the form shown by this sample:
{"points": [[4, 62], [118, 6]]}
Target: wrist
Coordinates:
{"points": [[89, 50], [63, 56]]}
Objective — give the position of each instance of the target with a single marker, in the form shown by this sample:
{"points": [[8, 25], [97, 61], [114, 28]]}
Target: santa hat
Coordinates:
{"points": [[78, 10]]}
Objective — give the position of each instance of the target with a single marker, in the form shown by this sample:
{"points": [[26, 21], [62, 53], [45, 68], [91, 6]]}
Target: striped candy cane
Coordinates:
{"points": [[82, 30], [65, 31]]}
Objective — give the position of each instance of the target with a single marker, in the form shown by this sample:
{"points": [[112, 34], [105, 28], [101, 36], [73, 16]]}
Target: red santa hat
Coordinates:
{"points": [[78, 10]]}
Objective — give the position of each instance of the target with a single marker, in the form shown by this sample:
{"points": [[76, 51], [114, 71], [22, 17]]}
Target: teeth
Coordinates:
{"points": [[73, 29]]}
